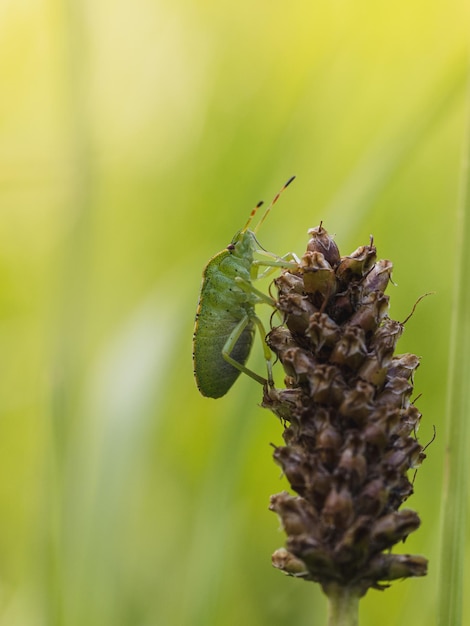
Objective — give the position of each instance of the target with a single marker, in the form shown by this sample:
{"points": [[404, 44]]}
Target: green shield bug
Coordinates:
{"points": [[225, 319]]}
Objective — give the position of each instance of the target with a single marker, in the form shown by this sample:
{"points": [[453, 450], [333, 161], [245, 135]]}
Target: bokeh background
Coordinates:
{"points": [[134, 140]]}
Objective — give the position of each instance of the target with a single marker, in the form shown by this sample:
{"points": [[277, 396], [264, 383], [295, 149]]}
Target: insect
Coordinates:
{"points": [[225, 319]]}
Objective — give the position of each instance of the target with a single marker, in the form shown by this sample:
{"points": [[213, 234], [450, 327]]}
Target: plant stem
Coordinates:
{"points": [[343, 606], [451, 583]]}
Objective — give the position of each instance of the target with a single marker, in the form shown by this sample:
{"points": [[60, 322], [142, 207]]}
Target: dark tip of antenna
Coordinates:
{"points": [[259, 204], [289, 181]]}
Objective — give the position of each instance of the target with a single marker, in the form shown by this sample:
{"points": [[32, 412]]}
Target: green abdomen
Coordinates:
{"points": [[222, 306], [214, 376]]}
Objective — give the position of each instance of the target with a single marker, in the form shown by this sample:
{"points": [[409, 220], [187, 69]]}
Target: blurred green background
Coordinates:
{"points": [[134, 140]]}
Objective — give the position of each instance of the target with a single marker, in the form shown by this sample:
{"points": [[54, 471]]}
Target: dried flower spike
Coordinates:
{"points": [[350, 428]]}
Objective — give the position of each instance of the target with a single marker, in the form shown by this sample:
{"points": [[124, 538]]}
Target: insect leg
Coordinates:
{"points": [[230, 344], [289, 256], [248, 288], [288, 261], [266, 350]]}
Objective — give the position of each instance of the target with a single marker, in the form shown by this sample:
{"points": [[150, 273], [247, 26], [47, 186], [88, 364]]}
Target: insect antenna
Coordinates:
{"points": [[252, 214], [273, 202]]}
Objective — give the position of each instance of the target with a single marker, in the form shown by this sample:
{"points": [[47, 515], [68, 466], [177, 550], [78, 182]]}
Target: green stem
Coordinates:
{"points": [[343, 605], [452, 565]]}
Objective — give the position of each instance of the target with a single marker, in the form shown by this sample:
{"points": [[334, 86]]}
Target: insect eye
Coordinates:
{"points": [[231, 246]]}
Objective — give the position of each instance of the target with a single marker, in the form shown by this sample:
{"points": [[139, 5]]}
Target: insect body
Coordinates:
{"points": [[226, 320]]}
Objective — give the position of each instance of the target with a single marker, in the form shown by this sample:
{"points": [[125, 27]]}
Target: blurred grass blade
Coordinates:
{"points": [[458, 410], [388, 152]]}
